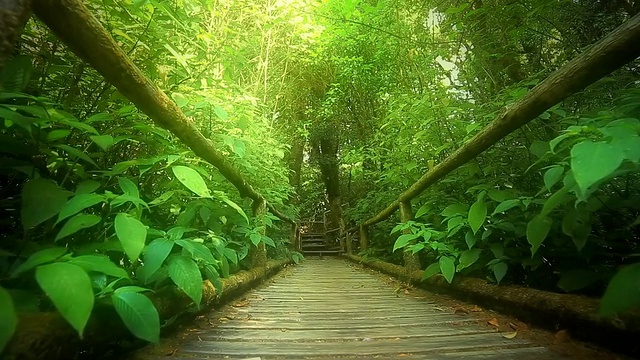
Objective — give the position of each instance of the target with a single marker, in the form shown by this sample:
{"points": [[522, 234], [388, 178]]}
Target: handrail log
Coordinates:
{"points": [[618, 48]]}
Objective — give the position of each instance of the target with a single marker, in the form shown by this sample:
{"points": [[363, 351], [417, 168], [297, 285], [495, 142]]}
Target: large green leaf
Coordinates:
{"points": [[537, 230], [623, 291], [104, 141], [500, 270], [39, 258], [468, 258], [506, 205], [79, 203], [185, 274], [69, 288], [9, 318], [212, 274], [99, 263], [139, 314], [593, 161], [403, 240], [477, 215], [447, 268], [41, 200], [155, 254], [552, 176], [192, 180], [131, 233], [77, 223], [431, 270]]}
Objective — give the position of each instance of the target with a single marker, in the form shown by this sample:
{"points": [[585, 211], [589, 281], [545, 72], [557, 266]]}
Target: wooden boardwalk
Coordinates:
{"points": [[329, 309]]}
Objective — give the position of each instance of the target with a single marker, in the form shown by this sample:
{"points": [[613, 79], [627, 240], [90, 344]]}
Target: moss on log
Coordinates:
{"points": [[576, 313], [46, 335]]}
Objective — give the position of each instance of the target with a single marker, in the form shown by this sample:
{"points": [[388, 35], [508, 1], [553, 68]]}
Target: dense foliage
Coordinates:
{"points": [[337, 105]]}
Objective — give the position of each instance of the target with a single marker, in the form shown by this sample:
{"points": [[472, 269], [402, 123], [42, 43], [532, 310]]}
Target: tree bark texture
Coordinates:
{"points": [[258, 254], [13, 15], [612, 52]]}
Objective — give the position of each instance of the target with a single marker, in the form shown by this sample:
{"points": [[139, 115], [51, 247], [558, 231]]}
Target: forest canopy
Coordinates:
{"points": [[321, 106]]}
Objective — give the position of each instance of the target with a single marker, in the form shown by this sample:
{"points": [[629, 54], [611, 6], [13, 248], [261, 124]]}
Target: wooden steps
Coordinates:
{"points": [[315, 244]]}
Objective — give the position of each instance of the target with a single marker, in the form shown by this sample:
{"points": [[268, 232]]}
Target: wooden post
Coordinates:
{"points": [[348, 241], [364, 238], [411, 261], [293, 237], [258, 254]]}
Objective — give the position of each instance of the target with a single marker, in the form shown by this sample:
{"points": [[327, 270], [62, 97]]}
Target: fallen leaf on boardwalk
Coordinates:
{"points": [[493, 322], [476, 308], [172, 352], [406, 292], [510, 335], [199, 338], [561, 336], [241, 304], [403, 354], [460, 310], [439, 308]]}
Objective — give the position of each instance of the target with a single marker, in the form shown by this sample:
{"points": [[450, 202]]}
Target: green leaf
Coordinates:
{"points": [[77, 223], [593, 161], [104, 141], [221, 113], [155, 254], [403, 240], [500, 270], [131, 233], [506, 205], [185, 274], [138, 314], [39, 258], [455, 209], [41, 200], [58, 134], [212, 274], [470, 239], [235, 207], [87, 186], [231, 254], [424, 209], [9, 318], [99, 263], [537, 230], [128, 187], [468, 258], [77, 154], [447, 268], [477, 215], [255, 238], [192, 180], [69, 288], [77, 204], [623, 291], [431, 270], [552, 176]]}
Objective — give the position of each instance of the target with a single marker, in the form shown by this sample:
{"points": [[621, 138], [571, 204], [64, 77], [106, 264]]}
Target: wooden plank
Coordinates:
{"points": [[311, 313], [366, 347]]}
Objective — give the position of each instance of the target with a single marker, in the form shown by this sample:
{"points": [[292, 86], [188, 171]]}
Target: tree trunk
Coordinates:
{"points": [[411, 261]]}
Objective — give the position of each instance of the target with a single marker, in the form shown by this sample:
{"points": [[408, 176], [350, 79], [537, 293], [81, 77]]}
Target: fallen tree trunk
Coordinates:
{"points": [[72, 22], [48, 336], [607, 55], [576, 313]]}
